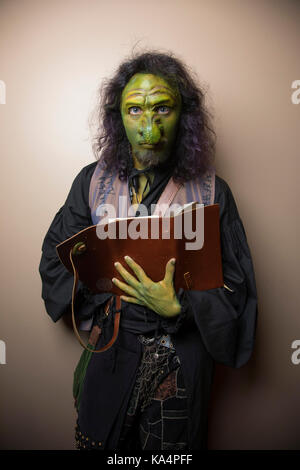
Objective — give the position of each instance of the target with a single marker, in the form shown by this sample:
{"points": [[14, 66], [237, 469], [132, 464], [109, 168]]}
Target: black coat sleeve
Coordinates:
{"points": [[227, 318], [57, 282]]}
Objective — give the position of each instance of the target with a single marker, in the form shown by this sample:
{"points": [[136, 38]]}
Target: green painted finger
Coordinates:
{"points": [[131, 280], [125, 287], [132, 300], [137, 269], [170, 270]]}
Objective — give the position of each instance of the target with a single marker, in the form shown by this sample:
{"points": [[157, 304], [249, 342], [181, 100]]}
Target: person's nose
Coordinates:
{"points": [[150, 130]]}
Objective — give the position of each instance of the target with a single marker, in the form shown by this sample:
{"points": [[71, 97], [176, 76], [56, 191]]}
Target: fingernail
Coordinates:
{"points": [[113, 279], [173, 261], [116, 263], [127, 257]]}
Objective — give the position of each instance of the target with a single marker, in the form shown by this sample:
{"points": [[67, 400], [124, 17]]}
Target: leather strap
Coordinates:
{"points": [[167, 196], [96, 330]]}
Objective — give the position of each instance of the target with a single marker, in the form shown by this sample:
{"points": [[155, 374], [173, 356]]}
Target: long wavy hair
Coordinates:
{"points": [[194, 147]]}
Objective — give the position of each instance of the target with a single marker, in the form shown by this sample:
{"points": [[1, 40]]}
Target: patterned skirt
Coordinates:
{"points": [[157, 415]]}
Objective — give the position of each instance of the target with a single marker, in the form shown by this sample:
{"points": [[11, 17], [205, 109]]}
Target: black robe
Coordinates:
{"points": [[215, 325]]}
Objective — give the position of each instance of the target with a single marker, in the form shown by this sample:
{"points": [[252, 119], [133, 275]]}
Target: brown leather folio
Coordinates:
{"points": [[196, 269]]}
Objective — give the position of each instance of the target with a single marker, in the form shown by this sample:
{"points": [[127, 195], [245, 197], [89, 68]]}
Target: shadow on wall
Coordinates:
{"points": [[231, 403]]}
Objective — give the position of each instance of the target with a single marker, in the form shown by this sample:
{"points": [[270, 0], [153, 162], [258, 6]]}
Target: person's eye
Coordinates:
{"points": [[134, 110], [163, 109]]}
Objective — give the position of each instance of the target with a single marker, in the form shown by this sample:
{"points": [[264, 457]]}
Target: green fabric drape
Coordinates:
{"points": [[79, 375]]}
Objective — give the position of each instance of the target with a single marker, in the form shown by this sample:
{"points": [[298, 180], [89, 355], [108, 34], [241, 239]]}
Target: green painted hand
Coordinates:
{"points": [[157, 296]]}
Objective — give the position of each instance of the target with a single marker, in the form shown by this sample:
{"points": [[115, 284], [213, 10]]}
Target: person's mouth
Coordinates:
{"points": [[150, 146]]}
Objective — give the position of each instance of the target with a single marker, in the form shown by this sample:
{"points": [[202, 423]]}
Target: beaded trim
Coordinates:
{"points": [[84, 442]]}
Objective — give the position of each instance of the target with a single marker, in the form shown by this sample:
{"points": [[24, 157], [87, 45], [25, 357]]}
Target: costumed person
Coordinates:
{"points": [[151, 389]]}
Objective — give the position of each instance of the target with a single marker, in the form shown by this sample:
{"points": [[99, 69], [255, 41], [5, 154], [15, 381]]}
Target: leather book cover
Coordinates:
{"points": [[196, 269]]}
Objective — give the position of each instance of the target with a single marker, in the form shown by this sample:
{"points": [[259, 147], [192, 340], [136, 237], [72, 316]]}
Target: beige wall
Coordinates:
{"points": [[53, 56]]}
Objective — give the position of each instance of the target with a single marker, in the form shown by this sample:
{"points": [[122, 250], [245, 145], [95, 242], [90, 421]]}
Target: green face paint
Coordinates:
{"points": [[150, 109]]}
